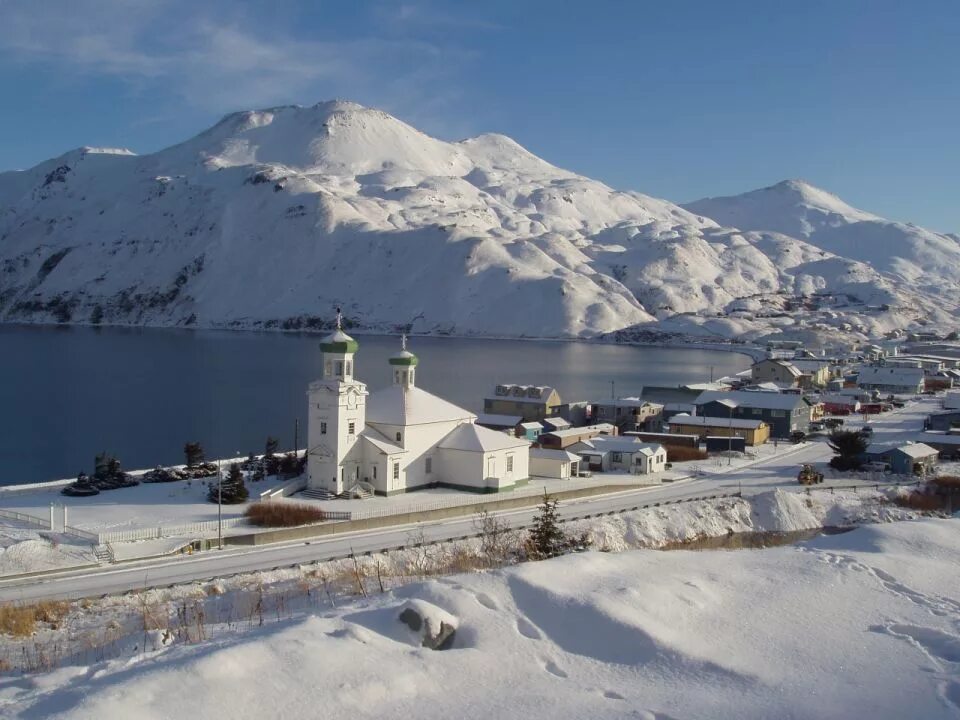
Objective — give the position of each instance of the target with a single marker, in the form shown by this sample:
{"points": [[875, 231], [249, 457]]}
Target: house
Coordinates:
{"points": [[531, 402], [943, 421], [908, 459], [561, 439], [951, 401], [629, 413], [555, 422], [624, 454], [754, 432], [946, 443], [557, 464], [529, 430], [784, 413], [891, 380], [666, 438], [499, 422], [781, 372], [840, 404], [819, 371], [399, 438]]}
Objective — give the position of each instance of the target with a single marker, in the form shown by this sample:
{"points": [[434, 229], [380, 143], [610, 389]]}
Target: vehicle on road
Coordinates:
{"points": [[808, 475]]}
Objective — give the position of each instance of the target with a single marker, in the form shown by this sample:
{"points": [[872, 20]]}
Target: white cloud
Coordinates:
{"points": [[217, 56]]}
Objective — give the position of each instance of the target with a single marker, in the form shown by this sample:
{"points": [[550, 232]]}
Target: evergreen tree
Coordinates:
{"points": [[849, 446], [232, 487], [546, 538], [193, 452], [271, 447]]}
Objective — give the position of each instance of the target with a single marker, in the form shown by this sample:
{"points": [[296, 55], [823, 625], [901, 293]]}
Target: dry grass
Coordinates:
{"points": [[949, 483], [920, 501], [21, 620], [283, 514], [681, 453]]}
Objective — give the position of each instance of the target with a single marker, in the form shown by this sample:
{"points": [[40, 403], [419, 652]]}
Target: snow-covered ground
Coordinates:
{"points": [[865, 624]]}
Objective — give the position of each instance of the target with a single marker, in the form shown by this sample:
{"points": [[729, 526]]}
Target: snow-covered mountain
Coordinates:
{"points": [[796, 208], [271, 218]]}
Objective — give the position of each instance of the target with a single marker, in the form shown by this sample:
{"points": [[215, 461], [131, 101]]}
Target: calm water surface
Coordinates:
{"points": [[68, 393]]}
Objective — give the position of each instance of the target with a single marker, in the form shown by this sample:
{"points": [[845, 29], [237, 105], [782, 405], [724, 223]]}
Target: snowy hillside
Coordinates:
{"points": [[271, 218], [861, 625], [797, 208]]}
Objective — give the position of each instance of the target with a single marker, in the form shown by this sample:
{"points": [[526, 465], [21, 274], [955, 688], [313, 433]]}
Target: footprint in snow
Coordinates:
{"points": [[487, 601], [528, 629], [551, 667]]}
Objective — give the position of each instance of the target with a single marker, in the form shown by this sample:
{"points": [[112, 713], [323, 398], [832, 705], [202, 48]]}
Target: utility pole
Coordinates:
{"points": [[219, 506], [296, 436]]}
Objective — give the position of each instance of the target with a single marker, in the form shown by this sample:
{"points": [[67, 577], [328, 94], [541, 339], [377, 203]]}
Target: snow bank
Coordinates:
{"points": [[774, 511], [858, 625]]}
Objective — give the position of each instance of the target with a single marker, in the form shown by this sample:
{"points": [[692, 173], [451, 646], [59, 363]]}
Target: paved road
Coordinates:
{"points": [[778, 471]]}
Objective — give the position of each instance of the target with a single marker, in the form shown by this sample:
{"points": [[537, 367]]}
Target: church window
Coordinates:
{"points": [[398, 437], [339, 367], [404, 375], [374, 472], [396, 471], [396, 376], [351, 428], [323, 428], [509, 463], [429, 465]]}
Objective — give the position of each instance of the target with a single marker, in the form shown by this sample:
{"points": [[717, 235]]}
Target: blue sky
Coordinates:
{"points": [[678, 100]]}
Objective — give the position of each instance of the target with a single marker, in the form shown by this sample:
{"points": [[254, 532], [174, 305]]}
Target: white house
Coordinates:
{"points": [[625, 454], [560, 464], [399, 438], [903, 381]]}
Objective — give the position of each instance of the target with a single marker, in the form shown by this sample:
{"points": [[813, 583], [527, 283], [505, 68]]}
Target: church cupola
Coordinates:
{"points": [[338, 349], [404, 365]]}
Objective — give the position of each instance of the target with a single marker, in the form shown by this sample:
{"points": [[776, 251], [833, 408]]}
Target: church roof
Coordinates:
{"points": [[339, 342], [380, 442], [476, 438], [399, 405]]}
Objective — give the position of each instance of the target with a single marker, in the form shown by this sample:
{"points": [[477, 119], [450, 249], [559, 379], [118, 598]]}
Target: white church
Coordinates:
{"points": [[400, 438]]}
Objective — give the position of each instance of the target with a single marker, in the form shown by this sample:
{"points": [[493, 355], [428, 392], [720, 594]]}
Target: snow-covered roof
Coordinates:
{"points": [[549, 454], [495, 419], [532, 425], [476, 438], [397, 405], [538, 394], [764, 400], [720, 422], [918, 450], [556, 422], [584, 430], [381, 443], [889, 376], [941, 438], [608, 443]]}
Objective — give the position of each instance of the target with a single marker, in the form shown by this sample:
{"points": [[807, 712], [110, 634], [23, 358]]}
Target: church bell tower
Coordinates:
{"points": [[336, 417]]}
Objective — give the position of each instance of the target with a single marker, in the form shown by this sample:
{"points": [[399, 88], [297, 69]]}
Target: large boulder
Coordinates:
{"points": [[435, 626]]}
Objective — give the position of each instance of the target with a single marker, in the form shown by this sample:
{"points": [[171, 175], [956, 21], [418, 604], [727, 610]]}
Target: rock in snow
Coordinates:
{"points": [[272, 217]]}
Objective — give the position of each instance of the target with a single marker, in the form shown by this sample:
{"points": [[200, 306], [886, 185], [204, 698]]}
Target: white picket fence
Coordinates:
{"points": [[44, 523], [162, 531]]}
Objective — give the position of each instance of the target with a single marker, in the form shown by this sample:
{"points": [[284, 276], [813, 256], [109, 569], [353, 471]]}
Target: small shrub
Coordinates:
{"points": [[682, 453], [920, 501], [283, 514]]}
